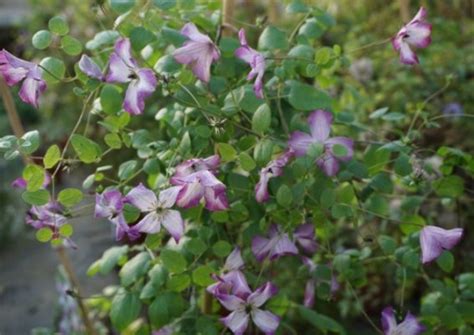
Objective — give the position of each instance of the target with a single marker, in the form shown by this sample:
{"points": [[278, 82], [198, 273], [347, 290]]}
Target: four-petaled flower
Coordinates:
{"points": [[14, 70], [273, 169], [320, 126], [256, 61], [434, 240], [198, 52], [157, 210], [416, 33], [409, 326], [196, 181], [123, 68]]}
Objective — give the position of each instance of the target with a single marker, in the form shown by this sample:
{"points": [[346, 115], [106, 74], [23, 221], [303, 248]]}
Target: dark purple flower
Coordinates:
{"points": [[123, 68], [417, 33], [277, 245], [245, 305], [157, 210], [14, 70], [409, 326], [198, 52], [273, 169], [197, 181], [320, 126], [434, 240], [90, 68], [256, 61]]}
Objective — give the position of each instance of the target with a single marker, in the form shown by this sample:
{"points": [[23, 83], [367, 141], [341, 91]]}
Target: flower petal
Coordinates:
{"points": [[282, 246], [150, 224], [267, 322], [343, 141], [90, 68], [388, 320], [190, 31], [262, 294], [407, 56], [216, 198], [418, 34], [236, 321], [234, 261], [108, 204], [434, 240], [299, 142], [138, 90], [173, 223], [320, 124], [31, 90], [410, 326], [304, 236], [260, 247], [142, 198], [329, 164], [309, 292], [190, 195], [231, 302], [261, 189], [122, 229], [167, 197]]}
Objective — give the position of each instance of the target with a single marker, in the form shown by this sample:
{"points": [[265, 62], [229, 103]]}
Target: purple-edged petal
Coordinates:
{"points": [[329, 164], [143, 198], [122, 229], [309, 292], [434, 240], [266, 321], [407, 56], [237, 322], [12, 68], [299, 142], [191, 166], [282, 246], [261, 189], [19, 183], [388, 320], [304, 236], [173, 223], [234, 261], [150, 224], [31, 90], [410, 326], [190, 194], [190, 31], [216, 199], [418, 34], [108, 204], [231, 302], [138, 90], [167, 197], [90, 68], [320, 124], [260, 247], [118, 72], [262, 294], [420, 15], [343, 141]]}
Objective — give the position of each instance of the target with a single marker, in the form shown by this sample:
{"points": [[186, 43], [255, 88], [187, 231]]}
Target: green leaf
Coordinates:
{"points": [[125, 308], [66, 230], [387, 243], [272, 38], [134, 269], [111, 257], [52, 156], [30, 142], [141, 37], [246, 162], [450, 186], [450, 318], [55, 69], [164, 4], [44, 234], [378, 113], [127, 169], [446, 261], [261, 119], [173, 261], [263, 151], [34, 176], [221, 248], [113, 140], [196, 246], [284, 196], [307, 98], [158, 275], [320, 321], [122, 6], [110, 99], [58, 25], [226, 151], [165, 308], [202, 275], [87, 150], [36, 198], [339, 150], [402, 165], [42, 39], [70, 197], [102, 38], [72, 46], [411, 224], [178, 283]]}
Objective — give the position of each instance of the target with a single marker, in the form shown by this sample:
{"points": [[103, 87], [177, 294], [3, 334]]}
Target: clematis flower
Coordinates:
{"points": [[415, 34], [256, 61], [109, 204], [90, 68], [434, 240], [123, 68], [157, 210], [22, 183], [122, 228], [304, 237], [320, 125], [14, 70], [309, 292], [49, 215], [273, 169], [277, 245], [197, 181], [198, 52], [246, 305], [409, 326]]}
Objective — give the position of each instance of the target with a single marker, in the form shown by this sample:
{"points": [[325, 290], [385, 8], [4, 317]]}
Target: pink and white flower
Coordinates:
{"points": [[198, 52], [415, 34], [320, 127], [15, 70], [256, 61], [273, 169]]}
